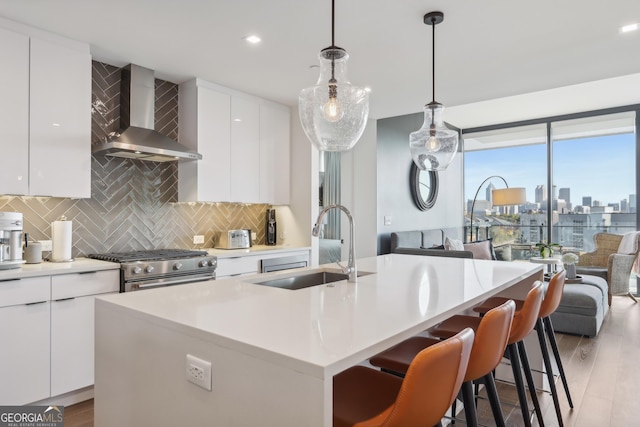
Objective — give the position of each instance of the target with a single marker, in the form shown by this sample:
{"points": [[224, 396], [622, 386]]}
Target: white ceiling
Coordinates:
{"points": [[484, 49]]}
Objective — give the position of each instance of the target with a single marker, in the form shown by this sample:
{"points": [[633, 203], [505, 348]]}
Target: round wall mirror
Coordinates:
{"points": [[424, 187]]}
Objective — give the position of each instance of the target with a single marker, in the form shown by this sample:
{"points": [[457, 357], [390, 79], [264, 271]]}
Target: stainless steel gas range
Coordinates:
{"points": [[163, 267]]}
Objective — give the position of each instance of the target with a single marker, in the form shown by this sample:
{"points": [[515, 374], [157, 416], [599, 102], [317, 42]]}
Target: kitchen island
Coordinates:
{"points": [[273, 351]]}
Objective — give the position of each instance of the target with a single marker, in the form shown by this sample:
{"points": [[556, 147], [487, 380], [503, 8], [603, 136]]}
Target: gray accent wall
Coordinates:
{"points": [[394, 194]]}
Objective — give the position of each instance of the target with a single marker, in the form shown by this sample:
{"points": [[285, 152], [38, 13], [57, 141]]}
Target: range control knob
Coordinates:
{"points": [[177, 266], [213, 263], [203, 263], [137, 270], [149, 268]]}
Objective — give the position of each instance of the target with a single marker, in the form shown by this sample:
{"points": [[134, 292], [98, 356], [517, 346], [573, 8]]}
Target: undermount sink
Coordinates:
{"points": [[302, 281]]}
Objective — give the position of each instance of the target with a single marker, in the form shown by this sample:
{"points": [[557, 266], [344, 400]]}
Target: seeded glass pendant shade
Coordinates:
{"points": [[334, 112], [433, 146]]}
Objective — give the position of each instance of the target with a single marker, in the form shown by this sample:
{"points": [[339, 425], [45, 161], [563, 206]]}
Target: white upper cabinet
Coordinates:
{"points": [[275, 124], [14, 110], [205, 127], [244, 141], [46, 111], [245, 150], [60, 120]]}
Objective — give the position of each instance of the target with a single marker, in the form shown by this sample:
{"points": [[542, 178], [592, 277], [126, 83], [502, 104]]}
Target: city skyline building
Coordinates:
{"points": [[489, 193], [565, 194], [541, 194]]}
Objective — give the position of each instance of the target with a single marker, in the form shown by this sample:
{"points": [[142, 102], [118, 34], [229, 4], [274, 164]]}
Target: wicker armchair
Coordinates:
{"points": [[612, 260]]}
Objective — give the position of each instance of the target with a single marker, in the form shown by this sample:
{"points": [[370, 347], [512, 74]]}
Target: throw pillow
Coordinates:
{"points": [[480, 250], [453, 244]]}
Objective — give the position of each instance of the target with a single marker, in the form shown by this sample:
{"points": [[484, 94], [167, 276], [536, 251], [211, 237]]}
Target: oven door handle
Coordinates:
{"points": [[177, 281]]}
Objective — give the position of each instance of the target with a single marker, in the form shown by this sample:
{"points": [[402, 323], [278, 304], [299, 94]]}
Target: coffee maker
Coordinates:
{"points": [[10, 240], [271, 227]]}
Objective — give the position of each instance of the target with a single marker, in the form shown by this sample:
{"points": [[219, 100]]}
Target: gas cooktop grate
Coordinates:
{"points": [[150, 255]]}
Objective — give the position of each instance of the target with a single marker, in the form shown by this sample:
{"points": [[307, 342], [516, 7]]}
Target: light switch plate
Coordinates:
{"points": [[387, 220]]}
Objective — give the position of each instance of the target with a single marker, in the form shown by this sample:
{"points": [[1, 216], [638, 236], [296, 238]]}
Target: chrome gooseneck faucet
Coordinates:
{"points": [[351, 268]]}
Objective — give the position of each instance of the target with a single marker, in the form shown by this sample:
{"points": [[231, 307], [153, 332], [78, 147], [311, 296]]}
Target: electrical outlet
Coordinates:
{"points": [[46, 245], [254, 236], [198, 372], [198, 239]]}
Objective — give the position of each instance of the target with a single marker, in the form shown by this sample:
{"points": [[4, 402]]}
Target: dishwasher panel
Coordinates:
{"points": [[284, 263]]}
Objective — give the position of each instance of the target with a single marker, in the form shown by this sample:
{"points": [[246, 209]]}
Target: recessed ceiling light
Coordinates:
{"points": [[367, 88], [629, 28], [237, 120], [253, 39]]}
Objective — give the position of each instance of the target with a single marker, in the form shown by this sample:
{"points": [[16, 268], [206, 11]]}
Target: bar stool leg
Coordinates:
{"points": [[548, 326], [549, 369], [492, 393], [470, 412], [517, 376], [532, 386]]}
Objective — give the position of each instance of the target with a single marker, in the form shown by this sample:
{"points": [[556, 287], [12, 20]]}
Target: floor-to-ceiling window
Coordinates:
{"points": [[518, 155], [593, 177], [579, 171]]}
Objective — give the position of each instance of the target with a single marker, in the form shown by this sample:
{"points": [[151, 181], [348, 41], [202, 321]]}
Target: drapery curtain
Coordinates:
{"points": [[331, 193]]}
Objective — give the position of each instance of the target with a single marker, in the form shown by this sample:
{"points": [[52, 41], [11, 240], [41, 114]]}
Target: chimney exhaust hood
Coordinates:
{"points": [[137, 138]]}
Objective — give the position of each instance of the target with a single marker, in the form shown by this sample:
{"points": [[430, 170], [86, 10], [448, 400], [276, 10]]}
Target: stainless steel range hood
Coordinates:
{"points": [[137, 138]]}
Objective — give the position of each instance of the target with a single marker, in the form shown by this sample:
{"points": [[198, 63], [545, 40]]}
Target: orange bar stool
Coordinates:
{"points": [[365, 397], [523, 323], [488, 348], [550, 303]]}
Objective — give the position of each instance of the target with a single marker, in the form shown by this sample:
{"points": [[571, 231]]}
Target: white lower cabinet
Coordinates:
{"points": [[24, 340], [47, 334], [71, 344], [72, 326]]}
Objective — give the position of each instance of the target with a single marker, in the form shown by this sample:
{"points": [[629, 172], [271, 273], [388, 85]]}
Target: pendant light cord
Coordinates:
{"points": [[433, 59], [333, 43], [333, 18]]}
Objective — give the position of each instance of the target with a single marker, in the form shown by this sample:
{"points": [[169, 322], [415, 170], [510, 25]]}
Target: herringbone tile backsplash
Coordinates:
{"points": [[132, 204]]}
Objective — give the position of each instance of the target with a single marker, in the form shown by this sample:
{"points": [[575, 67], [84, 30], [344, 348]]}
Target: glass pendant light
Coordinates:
{"points": [[334, 112], [434, 145]]}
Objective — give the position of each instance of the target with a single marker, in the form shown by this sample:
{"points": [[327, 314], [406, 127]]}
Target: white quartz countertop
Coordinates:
{"points": [[255, 250], [46, 268], [322, 330]]}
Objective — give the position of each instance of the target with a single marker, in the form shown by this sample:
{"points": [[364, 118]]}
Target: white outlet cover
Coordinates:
{"points": [[198, 372], [46, 245], [198, 239]]}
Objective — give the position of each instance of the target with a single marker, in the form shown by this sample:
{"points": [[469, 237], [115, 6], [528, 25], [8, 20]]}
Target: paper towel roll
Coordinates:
{"points": [[61, 240]]}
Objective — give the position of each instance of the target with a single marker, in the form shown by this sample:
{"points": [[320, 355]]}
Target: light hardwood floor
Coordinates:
{"points": [[603, 377]]}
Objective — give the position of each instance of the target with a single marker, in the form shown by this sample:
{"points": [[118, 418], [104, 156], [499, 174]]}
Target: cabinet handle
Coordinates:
{"points": [[64, 299], [9, 280], [87, 272], [34, 303]]}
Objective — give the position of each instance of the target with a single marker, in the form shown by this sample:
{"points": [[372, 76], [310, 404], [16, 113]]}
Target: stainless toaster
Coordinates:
{"points": [[234, 239]]}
